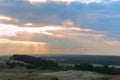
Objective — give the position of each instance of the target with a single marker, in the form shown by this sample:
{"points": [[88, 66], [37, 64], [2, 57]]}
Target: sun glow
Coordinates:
{"points": [[41, 29], [10, 30], [5, 18], [23, 47]]}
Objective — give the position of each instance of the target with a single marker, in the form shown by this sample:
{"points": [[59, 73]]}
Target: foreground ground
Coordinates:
{"points": [[24, 74]]}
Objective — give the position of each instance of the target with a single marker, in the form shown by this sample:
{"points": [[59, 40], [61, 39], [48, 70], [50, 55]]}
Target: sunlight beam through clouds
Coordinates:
{"points": [[22, 47], [16, 36], [19, 42], [60, 26]]}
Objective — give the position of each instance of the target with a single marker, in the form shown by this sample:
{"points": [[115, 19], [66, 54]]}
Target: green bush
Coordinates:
{"points": [[36, 62], [54, 78], [101, 69]]}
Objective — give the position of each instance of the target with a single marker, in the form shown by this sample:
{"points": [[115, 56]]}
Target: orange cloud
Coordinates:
{"points": [[114, 43], [57, 35], [6, 18], [22, 47], [11, 30], [55, 38], [28, 24], [20, 42]]}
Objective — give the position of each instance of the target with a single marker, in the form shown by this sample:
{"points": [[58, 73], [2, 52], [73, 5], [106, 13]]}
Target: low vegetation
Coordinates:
{"points": [[54, 78], [100, 69], [35, 62], [31, 62]]}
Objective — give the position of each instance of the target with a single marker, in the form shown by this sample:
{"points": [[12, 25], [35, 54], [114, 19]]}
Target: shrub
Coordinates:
{"points": [[54, 78]]}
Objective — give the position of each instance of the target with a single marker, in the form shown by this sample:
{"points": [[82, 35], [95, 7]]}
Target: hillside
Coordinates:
{"points": [[26, 67], [43, 63], [24, 74]]}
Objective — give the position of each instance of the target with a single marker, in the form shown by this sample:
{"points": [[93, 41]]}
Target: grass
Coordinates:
{"points": [[25, 74]]}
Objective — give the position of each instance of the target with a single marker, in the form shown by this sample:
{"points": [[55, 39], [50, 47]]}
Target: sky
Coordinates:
{"points": [[60, 27]]}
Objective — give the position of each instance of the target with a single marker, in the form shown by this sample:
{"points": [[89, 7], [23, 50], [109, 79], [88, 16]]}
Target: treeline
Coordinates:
{"points": [[40, 63], [100, 69], [34, 62]]}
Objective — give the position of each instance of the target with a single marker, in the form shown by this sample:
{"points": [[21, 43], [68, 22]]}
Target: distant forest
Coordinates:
{"points": [[34, 62], [86, 59], [31, 62]]}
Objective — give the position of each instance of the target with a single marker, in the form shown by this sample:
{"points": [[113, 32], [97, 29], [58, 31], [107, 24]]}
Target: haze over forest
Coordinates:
{"points": [[60, 27]]}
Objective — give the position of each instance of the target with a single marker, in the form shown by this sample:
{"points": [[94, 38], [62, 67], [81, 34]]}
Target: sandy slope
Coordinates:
{"points": [[20, 74], [75, 75]]}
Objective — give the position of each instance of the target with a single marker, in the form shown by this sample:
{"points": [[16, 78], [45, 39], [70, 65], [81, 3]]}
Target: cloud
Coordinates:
{"points": [[68, 22], [20, 42], [11, 30], [81, 26], [22, 47], [28, 24], [70, 1], [90, 15], [58, 38], [67, 29], [8, 29], [6, 18], [113, 43]]}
